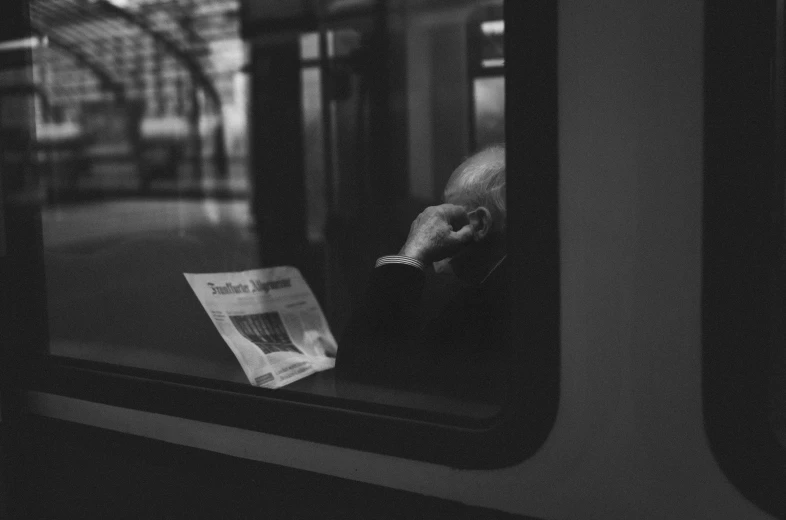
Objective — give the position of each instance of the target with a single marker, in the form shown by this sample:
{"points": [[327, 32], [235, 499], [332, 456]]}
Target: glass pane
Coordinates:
{"points": [[489, 96], [201, 153]]}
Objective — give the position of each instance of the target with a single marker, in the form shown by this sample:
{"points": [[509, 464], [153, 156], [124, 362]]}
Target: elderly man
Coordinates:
{"points": [[461, 351]]}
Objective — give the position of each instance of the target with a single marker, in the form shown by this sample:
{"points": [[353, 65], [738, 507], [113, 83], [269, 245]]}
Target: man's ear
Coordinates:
{"points": [[482, 223]]}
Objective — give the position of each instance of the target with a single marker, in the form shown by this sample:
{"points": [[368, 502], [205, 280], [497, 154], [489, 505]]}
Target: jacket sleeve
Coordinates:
{"points": [[381, 342]]}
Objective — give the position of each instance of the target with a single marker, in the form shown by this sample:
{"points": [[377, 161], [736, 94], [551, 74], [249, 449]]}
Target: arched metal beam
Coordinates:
{"points": [[107, 81], [193, 67]]}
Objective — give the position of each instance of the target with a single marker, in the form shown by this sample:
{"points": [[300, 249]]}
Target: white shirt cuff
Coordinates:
{"points": [[399, 259]]}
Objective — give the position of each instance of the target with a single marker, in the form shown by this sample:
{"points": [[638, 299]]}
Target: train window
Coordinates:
{"points": [[212, 136], [744, 285]]}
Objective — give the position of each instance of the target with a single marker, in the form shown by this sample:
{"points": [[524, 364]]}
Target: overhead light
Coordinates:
{"points": [[31, 42], [117, 3], [493, 27], [493, 62]]}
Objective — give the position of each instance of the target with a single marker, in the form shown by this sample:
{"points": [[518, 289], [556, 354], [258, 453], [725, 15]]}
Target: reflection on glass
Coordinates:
{"points": [[141, 140], [492, 49], [314, 154], [489, 94], [148, 164]]}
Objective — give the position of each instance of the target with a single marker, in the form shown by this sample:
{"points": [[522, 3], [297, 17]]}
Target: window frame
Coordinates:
{"points": [[526, 417], [743, 162]]}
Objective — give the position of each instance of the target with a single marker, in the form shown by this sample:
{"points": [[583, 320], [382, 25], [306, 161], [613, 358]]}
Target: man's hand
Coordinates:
{"points": [[437, 233]]}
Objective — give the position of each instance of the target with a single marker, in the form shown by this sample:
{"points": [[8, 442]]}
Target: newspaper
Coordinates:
{"points": [[271, 321]]}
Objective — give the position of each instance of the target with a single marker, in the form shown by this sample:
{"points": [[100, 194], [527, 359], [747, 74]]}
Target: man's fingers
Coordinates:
{"points": [[463, 235], [453, 210], [438, 232], [455, 215]]}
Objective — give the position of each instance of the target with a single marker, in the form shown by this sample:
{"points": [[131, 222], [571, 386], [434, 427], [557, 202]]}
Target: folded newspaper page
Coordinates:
{"points": [[271, 321]]}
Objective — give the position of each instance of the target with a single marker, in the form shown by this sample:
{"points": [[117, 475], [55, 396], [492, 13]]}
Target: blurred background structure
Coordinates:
{"points": [[139, 96]]}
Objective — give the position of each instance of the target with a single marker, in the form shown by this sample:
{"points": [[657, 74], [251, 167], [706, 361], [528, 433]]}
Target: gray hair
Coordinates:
{"points": [[480, 181]]}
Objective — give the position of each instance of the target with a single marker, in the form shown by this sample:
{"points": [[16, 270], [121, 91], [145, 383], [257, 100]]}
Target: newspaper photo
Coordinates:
{"points": [[271, 321]]}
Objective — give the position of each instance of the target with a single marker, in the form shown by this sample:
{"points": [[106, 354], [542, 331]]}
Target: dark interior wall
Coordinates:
{"points": [[277, 165]]}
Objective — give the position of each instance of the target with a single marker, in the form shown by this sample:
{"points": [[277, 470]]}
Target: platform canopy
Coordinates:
{"points": [[113, 39]]}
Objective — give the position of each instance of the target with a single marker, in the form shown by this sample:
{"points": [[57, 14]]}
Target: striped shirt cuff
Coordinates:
{"points": [[399, 259]]}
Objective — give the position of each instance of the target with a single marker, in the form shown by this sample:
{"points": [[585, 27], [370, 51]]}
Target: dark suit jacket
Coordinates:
{"points": [[461, 352]]}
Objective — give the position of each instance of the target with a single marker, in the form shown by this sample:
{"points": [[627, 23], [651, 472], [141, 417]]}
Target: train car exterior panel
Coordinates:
{"points": [[629, 440]]}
